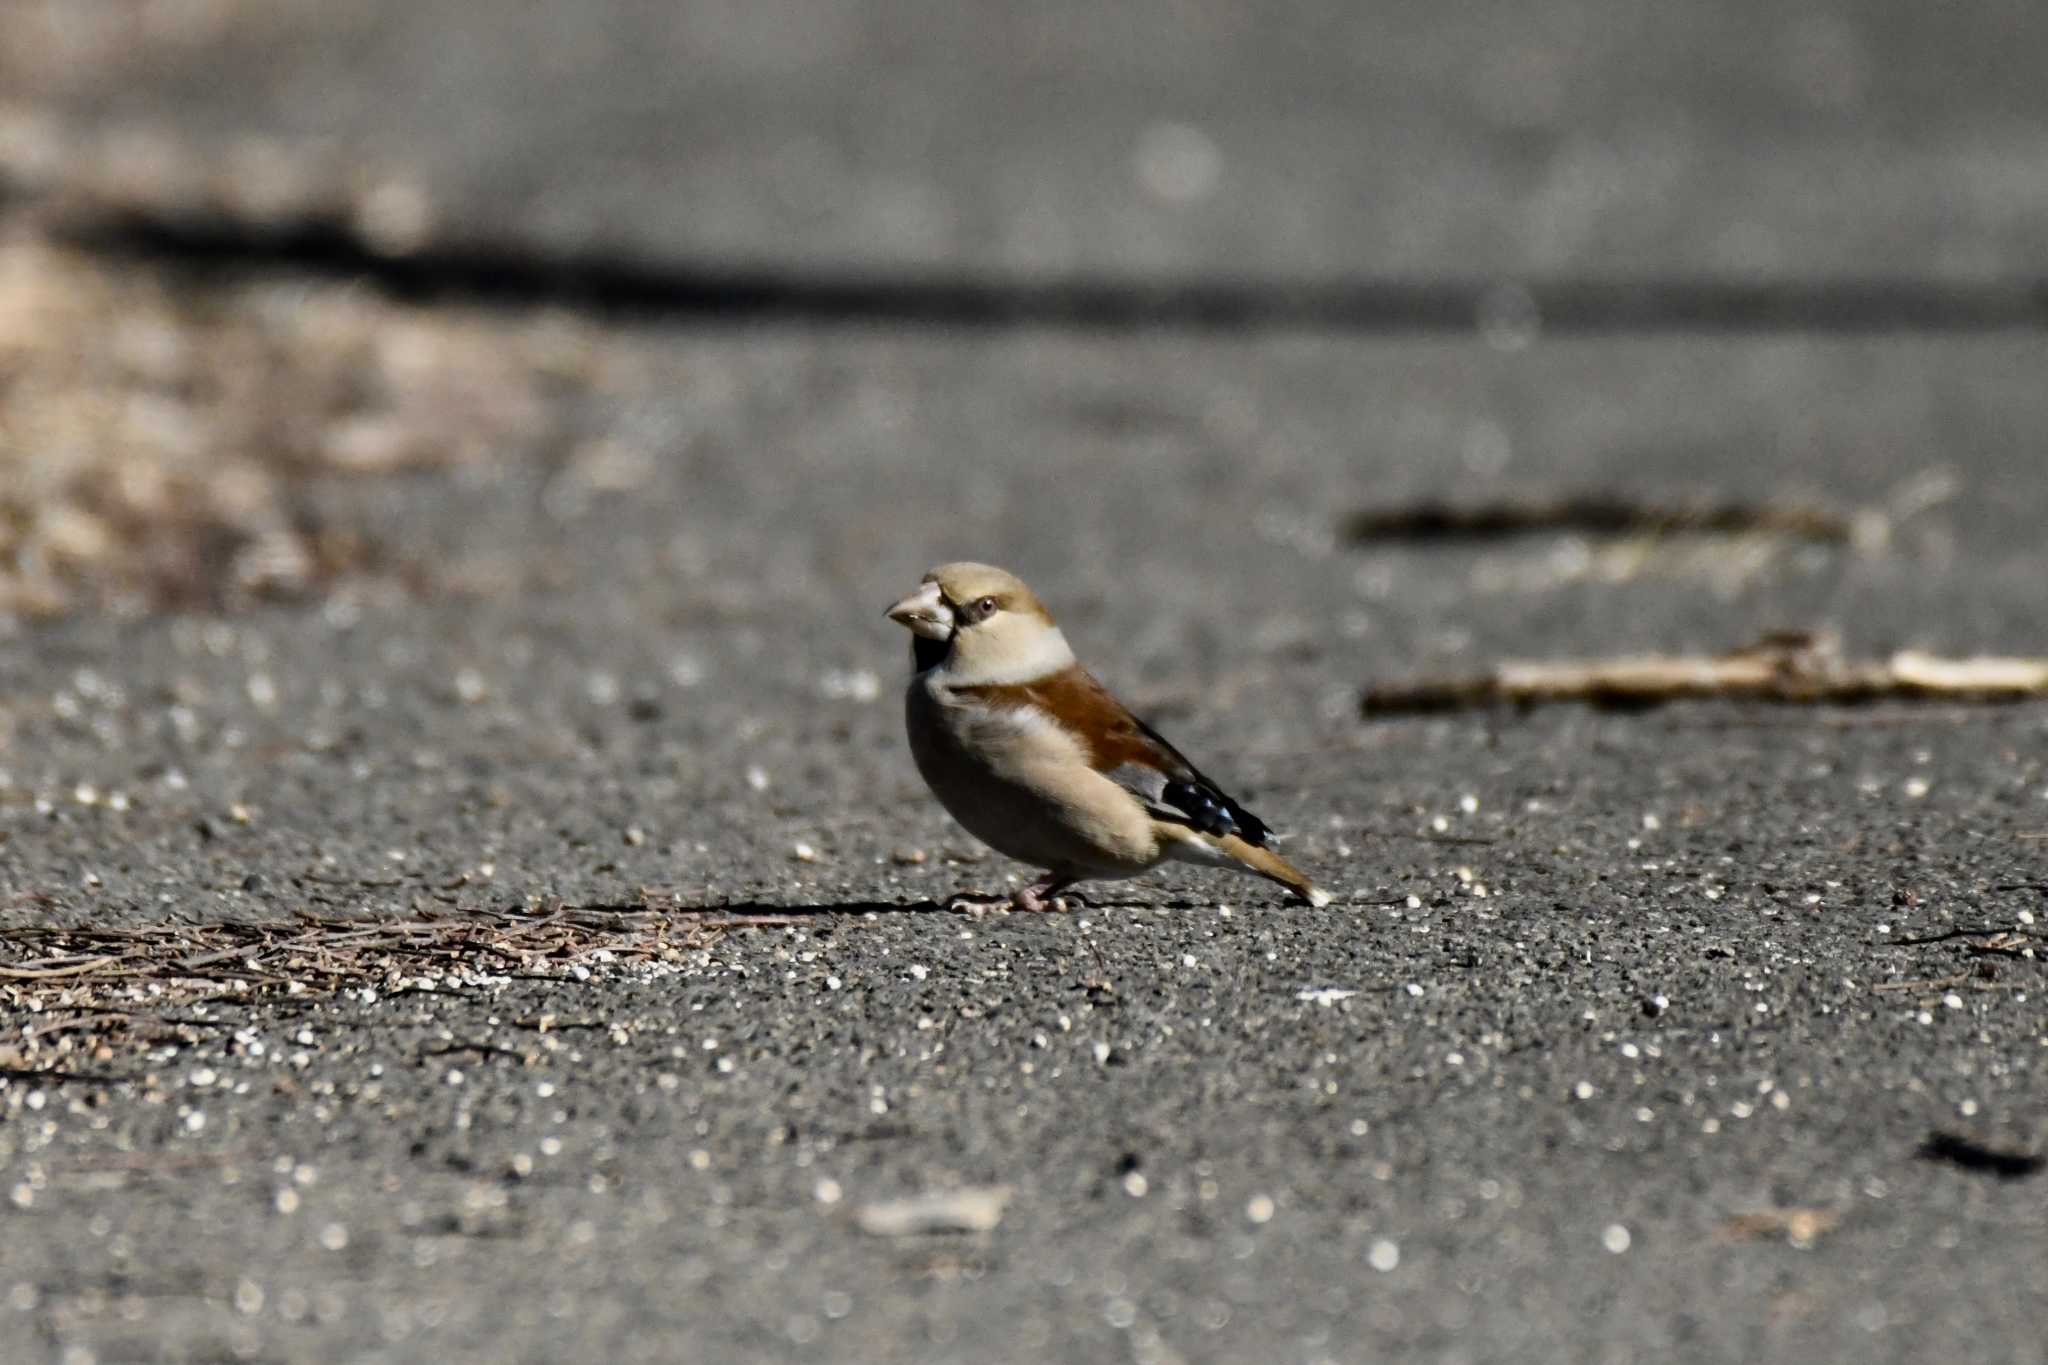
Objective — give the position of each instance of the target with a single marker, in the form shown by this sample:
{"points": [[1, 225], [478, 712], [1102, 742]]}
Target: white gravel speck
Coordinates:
{"points": [[850, 684], [1259, 1209], [971, 1209], [1385, 1255], [1323, 995], [1615, 1238]]}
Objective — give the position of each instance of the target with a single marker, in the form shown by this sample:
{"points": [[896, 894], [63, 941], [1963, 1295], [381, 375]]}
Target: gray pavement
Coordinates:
{"points": [[1302, 141], [1534, 1097]]}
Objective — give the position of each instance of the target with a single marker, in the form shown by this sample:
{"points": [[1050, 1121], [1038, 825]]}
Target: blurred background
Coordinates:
{"points": [[252, 246]]}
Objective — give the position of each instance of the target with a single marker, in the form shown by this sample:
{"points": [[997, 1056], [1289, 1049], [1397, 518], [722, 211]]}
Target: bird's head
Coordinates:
{"points": [[982, 625]]}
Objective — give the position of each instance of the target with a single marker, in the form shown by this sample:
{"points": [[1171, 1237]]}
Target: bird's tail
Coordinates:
{"points": [[1274, 868]]}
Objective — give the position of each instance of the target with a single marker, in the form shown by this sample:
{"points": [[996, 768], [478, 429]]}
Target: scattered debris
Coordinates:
{"points": [[1800, 1227], [1323, 995], [1969, 1154], [1945, 936], [1940, 983], [1597, 514], [481, 1049], [974, 1208], [74, 994], [1793, 667], [2009, 943]]}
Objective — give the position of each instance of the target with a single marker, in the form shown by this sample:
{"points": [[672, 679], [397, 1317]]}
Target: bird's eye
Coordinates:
{"points": [[985, 607]]}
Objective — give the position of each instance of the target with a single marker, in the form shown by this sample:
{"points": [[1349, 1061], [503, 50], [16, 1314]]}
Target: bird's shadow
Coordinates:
{"points": [[769, 910], [821, 910]]}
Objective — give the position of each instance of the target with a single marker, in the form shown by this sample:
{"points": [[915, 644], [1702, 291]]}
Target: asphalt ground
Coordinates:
{"points": [[1702, 1033], [1500, 1145]]}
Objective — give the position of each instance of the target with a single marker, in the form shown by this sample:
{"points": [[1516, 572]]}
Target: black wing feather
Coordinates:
{"points": [[1206, 806]]}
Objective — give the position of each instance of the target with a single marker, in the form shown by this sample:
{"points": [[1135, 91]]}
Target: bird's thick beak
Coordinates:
{"points": [[924, 613]]}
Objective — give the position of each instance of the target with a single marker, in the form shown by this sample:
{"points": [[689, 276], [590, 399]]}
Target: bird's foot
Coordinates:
{"points": [[1041, 896], [1038, 898]]}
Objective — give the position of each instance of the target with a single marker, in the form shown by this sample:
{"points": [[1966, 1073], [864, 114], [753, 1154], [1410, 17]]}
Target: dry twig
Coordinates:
{"points": [[1793, 668], [1597, 514], [1970, 1154], [1800, 1227]]}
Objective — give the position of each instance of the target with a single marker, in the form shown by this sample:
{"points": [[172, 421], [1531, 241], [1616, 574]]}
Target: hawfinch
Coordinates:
{"points": [[1024, 748]]}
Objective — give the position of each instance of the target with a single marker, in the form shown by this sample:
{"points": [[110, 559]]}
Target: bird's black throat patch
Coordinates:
{"points": [[925, 652]]}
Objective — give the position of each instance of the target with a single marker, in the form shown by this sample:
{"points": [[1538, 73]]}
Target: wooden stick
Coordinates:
{"points": [[1792, 668]]}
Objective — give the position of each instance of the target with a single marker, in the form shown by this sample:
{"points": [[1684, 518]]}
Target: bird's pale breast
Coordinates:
{"points": [[1017, 781]]}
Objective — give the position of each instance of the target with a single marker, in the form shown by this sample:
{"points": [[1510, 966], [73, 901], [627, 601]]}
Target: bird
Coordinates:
{"points": [[1039, 761]]}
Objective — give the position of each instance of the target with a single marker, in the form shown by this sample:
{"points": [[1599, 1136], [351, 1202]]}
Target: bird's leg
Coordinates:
{"points": [[1034, 898]]}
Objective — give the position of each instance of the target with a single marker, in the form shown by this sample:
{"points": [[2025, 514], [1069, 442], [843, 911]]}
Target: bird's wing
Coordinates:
{"points": [[1132, 754]]}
